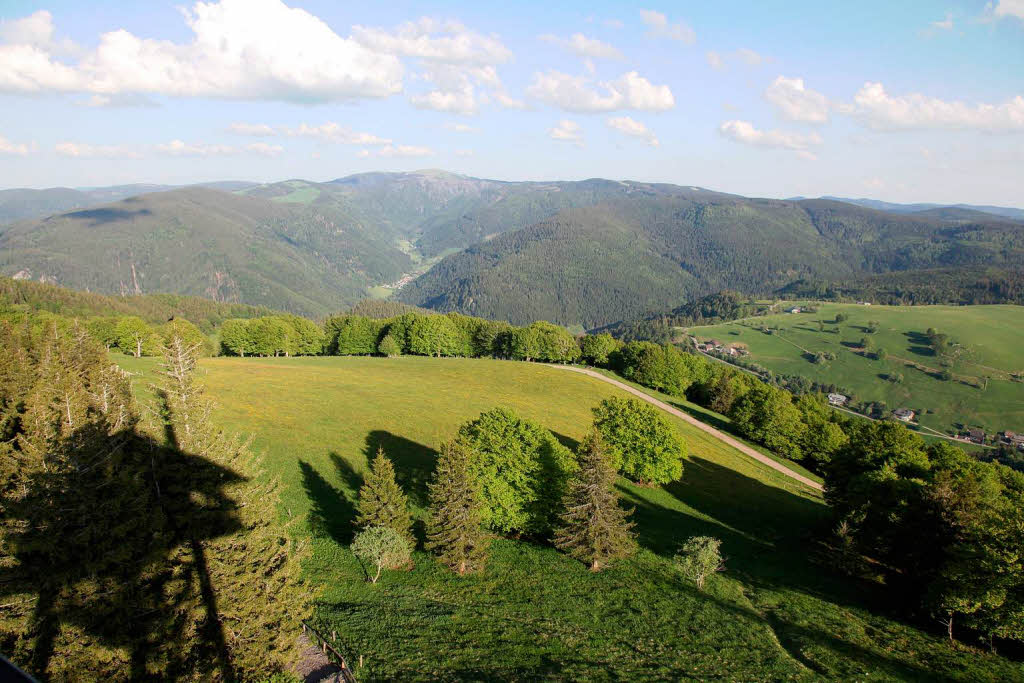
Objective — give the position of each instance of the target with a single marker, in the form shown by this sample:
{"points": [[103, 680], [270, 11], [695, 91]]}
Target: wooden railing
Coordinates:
{"points": [[330, 651]]}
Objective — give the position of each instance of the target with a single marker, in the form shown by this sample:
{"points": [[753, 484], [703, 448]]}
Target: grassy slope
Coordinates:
{"points": [[991, 332], [772, 615]]}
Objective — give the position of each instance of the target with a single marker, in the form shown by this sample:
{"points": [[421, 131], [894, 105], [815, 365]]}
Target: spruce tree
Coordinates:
{"points": [[595, 529], [455, 530], [381, 500]]}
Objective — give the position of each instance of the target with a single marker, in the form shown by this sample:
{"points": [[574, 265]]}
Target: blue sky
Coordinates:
{"points": [[909, 101]]}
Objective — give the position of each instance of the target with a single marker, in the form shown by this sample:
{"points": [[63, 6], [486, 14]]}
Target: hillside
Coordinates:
{"points": [[205, 242], [25, 295], [1004, 211], [773, 614], [982, 391], [617, 260]]}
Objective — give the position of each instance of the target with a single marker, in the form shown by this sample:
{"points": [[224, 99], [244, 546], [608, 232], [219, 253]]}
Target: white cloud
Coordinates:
{"points": [[567, 131], [80, 150], [796, 102], [463, 152], [462, 100], [659, 27], [8, 148], [35, 30], [392, 151], [461, 127], [444, 41], [944, 25], [749, 57], [1008, 8], [578, 94], [582, 46], [264, 149], [332, 132], [178, 148], [252, 49], [744, 132], [633, 128], [255, 129], [875, 108], [508, 102], [613, 23], [715, 60]]}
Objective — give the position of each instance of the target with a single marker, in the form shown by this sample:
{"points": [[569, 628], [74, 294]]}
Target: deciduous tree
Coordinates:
{"points": [[644, 445]]}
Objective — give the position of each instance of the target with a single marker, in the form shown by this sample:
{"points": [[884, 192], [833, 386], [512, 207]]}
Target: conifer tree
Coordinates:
{"points": [[381, 500], [455, 530], [595, 528]]}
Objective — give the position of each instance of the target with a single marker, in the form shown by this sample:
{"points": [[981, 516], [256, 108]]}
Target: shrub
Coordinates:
{"points": [[699, 558], [381, 547]]}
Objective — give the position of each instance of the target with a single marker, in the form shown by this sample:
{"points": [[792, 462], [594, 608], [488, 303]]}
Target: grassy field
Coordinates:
{"points": [[773, 614], [991, 335]]}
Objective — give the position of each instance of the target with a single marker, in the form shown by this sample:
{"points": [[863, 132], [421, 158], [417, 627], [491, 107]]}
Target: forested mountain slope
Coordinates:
{"points": [[617, 260], [224, 246]]}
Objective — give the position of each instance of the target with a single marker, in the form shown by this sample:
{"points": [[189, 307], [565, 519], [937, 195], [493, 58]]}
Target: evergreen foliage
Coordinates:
{"points": [[455, 528], [381, 500], [595, 528]]}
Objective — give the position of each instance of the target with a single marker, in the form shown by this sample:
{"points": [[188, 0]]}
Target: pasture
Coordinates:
{"points": [[775, 612], [982, 391]]}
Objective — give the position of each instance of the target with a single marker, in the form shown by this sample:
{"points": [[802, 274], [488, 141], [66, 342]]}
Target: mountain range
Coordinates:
{"points": [[583, 253]]}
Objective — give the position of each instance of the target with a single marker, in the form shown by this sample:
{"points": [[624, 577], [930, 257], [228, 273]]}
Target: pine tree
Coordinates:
{"points": [[455, 531], [595, 529], [381, 500]]}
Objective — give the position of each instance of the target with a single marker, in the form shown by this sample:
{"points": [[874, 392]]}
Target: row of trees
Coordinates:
{"points": [[948, 527], [503, 474], [134, 336]]}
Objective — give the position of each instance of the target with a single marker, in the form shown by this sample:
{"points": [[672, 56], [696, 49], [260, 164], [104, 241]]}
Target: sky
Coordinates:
{"points": [[906, 102]]}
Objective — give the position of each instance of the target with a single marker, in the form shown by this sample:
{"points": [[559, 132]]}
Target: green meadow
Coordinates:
{"points": [[775, 613], [981, 393]]}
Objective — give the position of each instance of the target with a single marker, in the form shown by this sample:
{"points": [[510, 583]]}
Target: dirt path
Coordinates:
{"points": [[721, 436]]}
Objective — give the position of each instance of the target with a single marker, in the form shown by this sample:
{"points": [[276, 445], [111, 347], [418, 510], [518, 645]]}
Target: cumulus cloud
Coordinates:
{"points": [[325, 132], [79, 150], [567, 131], [1007, 8], [633, 128], [744, 132], [714, 60], [875, 108], [174, 148], [946, 24], [580, 94], [8, 148], [255, 129], [582, 46], [252, 49], [35, 30], [392, 151], [659, 27], [430, 39], [796, 102], [460, 100]]}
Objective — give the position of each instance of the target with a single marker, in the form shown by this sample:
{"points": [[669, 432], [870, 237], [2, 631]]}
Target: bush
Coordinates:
{"points": [[389, 346], [699, 558], [381, 547]]}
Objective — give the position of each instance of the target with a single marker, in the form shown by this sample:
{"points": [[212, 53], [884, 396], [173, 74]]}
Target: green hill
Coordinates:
{"points": [[200, 241], [600, 264], [28, 296], [986, 388], [774, 614]]}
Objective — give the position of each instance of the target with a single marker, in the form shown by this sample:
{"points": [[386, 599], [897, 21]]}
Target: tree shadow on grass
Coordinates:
{"points": [[414, 462], [332, 512]]}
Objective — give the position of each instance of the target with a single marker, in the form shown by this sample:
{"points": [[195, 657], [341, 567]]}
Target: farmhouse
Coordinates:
{"points": [[1013, 439], [903, 414], [837, 399], [795, 309], [976, 435]]}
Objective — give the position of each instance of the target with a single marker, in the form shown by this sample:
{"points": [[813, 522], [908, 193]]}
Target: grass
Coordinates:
{"points": [[773, 614], [990, 333]]}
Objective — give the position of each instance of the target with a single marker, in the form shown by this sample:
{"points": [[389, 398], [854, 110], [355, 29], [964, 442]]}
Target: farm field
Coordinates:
{"points": [[991, 335], [773, 614]]}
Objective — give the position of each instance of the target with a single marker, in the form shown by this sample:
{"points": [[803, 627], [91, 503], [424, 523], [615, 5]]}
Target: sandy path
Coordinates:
{"points": [[718, 434]]}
